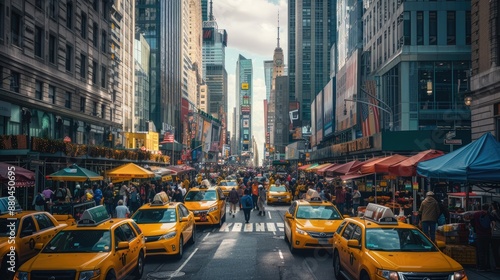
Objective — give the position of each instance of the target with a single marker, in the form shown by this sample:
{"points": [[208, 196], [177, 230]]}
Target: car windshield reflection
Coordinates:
{"points": [[155, 216], [201, 196], [277, 189], [398, 239], [79, 241], [318, 212]]}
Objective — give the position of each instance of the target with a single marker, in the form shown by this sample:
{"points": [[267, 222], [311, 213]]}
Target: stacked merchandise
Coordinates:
{"points": [[456, 237]]}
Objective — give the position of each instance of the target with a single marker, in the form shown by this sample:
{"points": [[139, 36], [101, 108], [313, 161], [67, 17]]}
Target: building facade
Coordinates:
{"points": [[142, 70], [244, 89], [60, 66]]}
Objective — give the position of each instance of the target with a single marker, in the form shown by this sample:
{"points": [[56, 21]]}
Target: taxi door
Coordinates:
{"points": [[27, 237], [350, 257], [124, 260], [135, 242], [47, 228], [288, 222], [187, 227], [221, 201]]}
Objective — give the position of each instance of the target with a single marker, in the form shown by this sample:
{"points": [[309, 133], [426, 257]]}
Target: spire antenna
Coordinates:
{"points": [[278, 28]]}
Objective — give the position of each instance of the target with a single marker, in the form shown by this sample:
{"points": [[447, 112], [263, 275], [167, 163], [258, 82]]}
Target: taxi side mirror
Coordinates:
{"points": [[184, 219], [38, 246], [346, 216], [122, 245], [353, 243], [288, 215], [440, 244]]}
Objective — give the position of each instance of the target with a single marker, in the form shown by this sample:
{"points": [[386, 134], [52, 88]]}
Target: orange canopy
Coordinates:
{"points": [[304, 167], [408, 167], [381, 165], [320, 170]]}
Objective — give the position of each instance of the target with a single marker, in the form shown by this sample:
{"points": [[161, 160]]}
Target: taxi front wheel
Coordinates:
{"points": [[336, 265], [111, 276], [139, 269], [180, 252]]}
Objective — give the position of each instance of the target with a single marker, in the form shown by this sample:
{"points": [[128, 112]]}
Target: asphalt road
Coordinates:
{"points": [[251, 251]]}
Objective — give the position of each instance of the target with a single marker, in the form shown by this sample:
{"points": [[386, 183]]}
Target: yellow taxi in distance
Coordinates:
{"points": [[227, 185], [207, 203], [377, 246], [19, 231], [311, 222], [96, 248], [278, 194], [167, 226]]}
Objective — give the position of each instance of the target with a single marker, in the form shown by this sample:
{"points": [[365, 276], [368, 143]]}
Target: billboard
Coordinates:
{"points": [[208, 33], [319, 117], [206, 138], [313, 123], [346, 93], [328, 109], [244, 86]]}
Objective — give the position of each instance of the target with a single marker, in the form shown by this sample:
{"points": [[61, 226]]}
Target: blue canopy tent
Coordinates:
{"points": [[478, 161]]}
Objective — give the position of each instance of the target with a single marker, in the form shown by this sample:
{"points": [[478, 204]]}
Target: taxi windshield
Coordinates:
{"points": [[277, 189], [228, 183], [5, 228], [79, 241], [201, 196], [154, 216], [318, 212], [398, 239]]}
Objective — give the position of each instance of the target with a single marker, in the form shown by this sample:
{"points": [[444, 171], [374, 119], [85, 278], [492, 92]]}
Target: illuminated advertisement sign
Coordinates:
{"points": [[208, 33], [244, 86]]}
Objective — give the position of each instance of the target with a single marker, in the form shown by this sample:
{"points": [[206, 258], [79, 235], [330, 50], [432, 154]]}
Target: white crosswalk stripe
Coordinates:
{"points": [[251, 227]]}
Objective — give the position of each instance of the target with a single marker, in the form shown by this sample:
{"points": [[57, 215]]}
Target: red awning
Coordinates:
{"points": [[353, 176], [408, 167], [371, 167], [304, 167], [322, 169]]}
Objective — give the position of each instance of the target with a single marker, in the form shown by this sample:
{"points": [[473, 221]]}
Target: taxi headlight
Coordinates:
{"points": [[21, 275], [299, 231], [457, 275], [387, 274], [287, 196], [213, 208], [89, 274], [168, 235]]}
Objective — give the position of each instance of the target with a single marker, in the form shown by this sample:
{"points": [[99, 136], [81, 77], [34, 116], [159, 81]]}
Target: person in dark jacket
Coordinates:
{"points": [[429, 213], [483, 237], [234, 200], [247, 204]]}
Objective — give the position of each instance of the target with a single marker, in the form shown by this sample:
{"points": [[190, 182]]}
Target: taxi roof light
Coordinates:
{"points": [[313, 196], [380, 214], [94, 216], [160, 199]]}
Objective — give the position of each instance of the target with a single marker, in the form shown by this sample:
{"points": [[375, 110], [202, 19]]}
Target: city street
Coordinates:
{"points": [[250, 251]]}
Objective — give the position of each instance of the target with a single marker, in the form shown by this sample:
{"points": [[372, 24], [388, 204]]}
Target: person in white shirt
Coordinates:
{"points": [[122, 210], [183, 190]]}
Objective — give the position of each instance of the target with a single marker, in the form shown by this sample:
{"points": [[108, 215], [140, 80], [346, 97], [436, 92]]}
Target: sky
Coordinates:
{"points": [[252, 28]]}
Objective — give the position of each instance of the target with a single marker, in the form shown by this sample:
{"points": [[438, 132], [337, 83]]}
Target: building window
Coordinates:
{"points": [[95, 35], [407, 28], [15, 80], [53, 9], [432, 28], [103, 76], [40, 4], [103, 41], [83, 26], [110, 114], [451, 30], [67, 102], [94, 108], [69, 15], [420, 28], [69, 57], [52, 94], [94, 72], [52, 49], [83, 66], [103, 111], [83, 102], [104, 10], [16, 28], [39, 41], [39, 90], [95, 5], [467, 28], [2, 21]]}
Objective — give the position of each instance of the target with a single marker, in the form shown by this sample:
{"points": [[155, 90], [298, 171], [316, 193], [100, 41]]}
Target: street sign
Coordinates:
{"points": [[453, 141]]}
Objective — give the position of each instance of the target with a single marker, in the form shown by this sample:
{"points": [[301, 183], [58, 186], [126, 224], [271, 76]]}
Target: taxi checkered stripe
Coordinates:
{"points": [[251, 227]]}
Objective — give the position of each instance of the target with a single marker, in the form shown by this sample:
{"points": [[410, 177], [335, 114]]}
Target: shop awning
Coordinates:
{"points": [[381, 165], [22, 178], [353, 176], [311, 168], [408, 167], [74, 173], [320, 170], [304, 167], [129, 170]]}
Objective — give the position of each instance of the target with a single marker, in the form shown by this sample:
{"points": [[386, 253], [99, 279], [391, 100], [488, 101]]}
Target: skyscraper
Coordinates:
{"points": [[244, 78]]}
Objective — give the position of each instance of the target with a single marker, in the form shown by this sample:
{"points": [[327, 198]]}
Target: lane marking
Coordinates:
{"points": [[237, 227], [205, 236], [184, 263], [281, 254], [271, 227], [248, 227], [260, 227]]}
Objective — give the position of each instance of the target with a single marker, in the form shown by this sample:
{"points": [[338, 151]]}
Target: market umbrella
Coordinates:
{"points": [[74, 173], [408, 167], [19, 176], [129, 170]]}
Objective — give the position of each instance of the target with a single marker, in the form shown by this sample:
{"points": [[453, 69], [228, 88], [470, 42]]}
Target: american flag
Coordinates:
{"points": [[364, 120], [168, 137]]}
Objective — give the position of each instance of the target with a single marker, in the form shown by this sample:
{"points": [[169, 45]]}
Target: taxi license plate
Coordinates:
{"points": [[323, 241], [279, 198], [203, 217]]}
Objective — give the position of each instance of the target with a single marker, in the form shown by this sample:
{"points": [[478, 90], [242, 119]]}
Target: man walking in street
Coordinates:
{"points": [[429, 213], [234, 200], [247, 204]]}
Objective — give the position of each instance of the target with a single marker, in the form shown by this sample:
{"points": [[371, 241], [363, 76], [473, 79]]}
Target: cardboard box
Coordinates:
{"points": [[463, 254]]}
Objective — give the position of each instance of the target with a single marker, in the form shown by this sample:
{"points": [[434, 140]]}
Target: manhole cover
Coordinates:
{"points": [[164, 275]]}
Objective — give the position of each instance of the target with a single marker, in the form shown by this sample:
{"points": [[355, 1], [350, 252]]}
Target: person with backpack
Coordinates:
{"points": [[247, 204], [481, 221], [39, 202], [109, 199], [60, 194]]}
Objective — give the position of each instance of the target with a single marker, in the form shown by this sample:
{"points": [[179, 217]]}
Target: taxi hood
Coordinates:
{"points": [[318, 225], [199, 205], [58, 261], [156, 229], [415, 261]]}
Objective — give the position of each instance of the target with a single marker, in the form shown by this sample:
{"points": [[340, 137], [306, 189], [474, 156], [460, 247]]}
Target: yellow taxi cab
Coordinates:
{"points": [[207, 203], [311, 222], [278, 194], [96, 248], [167, 226], [227, 185], [19, 231], [377, 246]]}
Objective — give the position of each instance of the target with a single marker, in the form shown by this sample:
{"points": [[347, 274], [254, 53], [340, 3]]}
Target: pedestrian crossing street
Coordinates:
{"points": [[251, 227]]}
